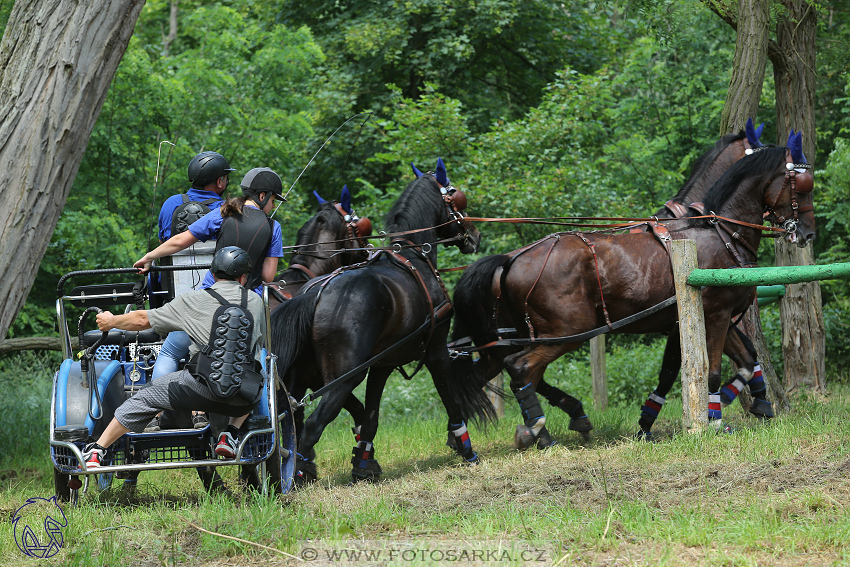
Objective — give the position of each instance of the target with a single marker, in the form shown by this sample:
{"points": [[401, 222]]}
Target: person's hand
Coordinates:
{"points": [[144, 265], [104, 321]]}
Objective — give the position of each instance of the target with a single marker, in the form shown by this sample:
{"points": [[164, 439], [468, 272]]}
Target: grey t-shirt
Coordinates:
{"points": [[193, 312]]}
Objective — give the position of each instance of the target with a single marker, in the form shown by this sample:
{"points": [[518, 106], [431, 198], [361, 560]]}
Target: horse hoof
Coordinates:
{"points": [[545, 440], [472, 461], [722, 428], [762, 409], [644, 436], [581, 424], [372, 472], [523, 438]]}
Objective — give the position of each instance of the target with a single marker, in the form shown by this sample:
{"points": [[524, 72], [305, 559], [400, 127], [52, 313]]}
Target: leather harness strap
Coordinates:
{"points": [[598, 278]]}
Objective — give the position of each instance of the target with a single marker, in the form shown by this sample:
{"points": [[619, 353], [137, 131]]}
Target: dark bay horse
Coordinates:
{"points": [[376, 317], [334, 237], [706, 170], [572, 283]]}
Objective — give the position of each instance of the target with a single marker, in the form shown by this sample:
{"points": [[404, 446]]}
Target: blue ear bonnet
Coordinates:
{"points": [[440, 173], [753, 134], [795, 144], [416, 172], [321, 201], [345, 199]]}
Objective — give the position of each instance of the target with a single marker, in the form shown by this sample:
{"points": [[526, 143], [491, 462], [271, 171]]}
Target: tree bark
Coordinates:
{"points": [[57, 59], [803, 337], [753, 34], [35, 343]]}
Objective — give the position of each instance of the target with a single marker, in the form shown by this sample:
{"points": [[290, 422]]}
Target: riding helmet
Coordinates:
{"points": [[231, 262], [206, 167]]}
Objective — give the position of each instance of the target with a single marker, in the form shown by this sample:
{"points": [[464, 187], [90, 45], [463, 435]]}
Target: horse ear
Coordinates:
{"points": [[440, 173], [790, 142], [753, 134], [321, 201], [797, 149], [345, 199], [416, 172]]}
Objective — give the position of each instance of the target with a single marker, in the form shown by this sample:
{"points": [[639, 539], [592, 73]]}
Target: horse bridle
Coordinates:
{"points": [[456, 203], [799, 183], [358, 227]]}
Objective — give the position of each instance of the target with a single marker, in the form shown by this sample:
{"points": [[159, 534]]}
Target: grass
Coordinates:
{"points": [[770, 494]]}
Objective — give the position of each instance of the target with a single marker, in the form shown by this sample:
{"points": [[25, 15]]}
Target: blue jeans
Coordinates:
{"points": [[175, 347]]}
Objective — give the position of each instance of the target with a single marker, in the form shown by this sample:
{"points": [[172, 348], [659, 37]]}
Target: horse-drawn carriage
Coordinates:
{"points": [[112, 366]]}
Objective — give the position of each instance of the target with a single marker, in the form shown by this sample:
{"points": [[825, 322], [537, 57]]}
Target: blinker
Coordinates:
{"points": [[364, 226], [459, 199], [804, 182]]}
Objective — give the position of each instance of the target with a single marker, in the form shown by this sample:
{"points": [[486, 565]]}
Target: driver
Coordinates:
{"points": [[192, 312]]}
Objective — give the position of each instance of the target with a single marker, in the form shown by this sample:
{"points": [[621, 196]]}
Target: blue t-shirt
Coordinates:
{"points": [[167, 210], [209, 225]]}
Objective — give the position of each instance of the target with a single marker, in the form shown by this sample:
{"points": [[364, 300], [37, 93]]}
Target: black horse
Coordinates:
{"points": [[379, 316], [568, 284]]}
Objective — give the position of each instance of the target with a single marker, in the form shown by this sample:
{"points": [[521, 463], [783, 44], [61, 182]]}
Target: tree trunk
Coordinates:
{"points": [[57, 59], [753, 34], [803, 343], [35, 343]]}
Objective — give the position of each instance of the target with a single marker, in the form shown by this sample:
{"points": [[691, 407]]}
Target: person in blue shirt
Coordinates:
{"points": [[208, 173], [242, 222]]}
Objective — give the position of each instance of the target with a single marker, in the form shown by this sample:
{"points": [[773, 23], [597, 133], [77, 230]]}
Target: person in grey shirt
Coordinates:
{"points": [[193, 313]]}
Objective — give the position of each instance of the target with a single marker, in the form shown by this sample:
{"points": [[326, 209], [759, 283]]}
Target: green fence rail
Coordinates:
{"points": [[769, 276]]}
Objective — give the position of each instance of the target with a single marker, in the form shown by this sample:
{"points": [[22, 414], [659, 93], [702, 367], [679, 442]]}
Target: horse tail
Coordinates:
{"points": [[474, 305], [291, 327]]}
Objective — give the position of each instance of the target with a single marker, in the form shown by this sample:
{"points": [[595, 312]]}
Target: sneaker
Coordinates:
{"points": [[93, 455], [226, 446], [199, 420], [153, 425]]}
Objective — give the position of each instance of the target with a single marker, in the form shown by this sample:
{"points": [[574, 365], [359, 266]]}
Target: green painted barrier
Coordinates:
{"points": [[769, 276], [770, 291]]}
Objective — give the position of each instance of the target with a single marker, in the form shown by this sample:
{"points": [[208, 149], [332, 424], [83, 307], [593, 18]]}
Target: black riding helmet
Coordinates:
{"points": [[231, 262], [262, 180], [206, 167]]}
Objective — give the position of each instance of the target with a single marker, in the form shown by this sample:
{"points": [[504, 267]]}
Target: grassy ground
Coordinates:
{"points": [[770, 494]]}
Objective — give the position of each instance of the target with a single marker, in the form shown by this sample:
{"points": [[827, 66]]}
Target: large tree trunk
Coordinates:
{"points": [[753, 34], [742, 101], [803, 343], [57, 59]]}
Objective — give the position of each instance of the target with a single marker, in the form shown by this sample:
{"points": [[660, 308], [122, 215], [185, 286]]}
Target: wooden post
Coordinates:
{"points": [[692, 333], [598, 372]]}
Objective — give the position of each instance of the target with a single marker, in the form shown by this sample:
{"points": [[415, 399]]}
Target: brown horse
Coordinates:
{"points": [[569, 284], [705, 172]]}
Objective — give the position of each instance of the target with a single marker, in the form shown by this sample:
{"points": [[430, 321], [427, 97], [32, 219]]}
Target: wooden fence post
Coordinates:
{"points": [[692, 333], [598, 372]]}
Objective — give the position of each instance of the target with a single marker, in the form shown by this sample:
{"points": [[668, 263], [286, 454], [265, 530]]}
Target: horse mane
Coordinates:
{"points": [[754, 165], [704, 161], [415, 208], [305, 235]]}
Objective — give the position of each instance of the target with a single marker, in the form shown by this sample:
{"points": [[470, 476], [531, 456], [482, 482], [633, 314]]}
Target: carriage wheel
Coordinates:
{"points": [[280, 466]]}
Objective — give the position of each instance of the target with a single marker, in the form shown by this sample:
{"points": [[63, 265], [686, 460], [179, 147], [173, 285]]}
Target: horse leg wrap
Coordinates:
{"points": [[356, 431], [730, 391], [532, 413], [364, 465], [714, 407], [305, 470], [761, 407], [461, 443], [649, 413]]}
